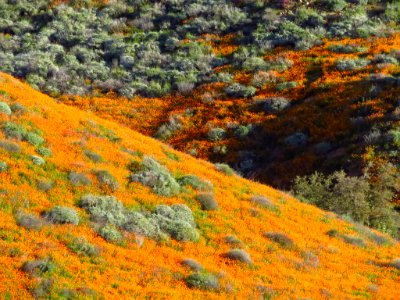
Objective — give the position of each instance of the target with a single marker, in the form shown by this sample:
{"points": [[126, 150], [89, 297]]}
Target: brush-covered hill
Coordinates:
{"points": [[90, 209]]}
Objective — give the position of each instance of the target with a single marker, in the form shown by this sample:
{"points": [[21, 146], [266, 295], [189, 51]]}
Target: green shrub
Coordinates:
{"points": [[18, 108], [152, 174], [3, 166], [28, 221], [224, 168], [4, 108], [195, 182], [37, 160], [43, 151], [239, 255], [110, 234], [78, 179], [192, 264], [395, 263], [14, 131], [45, 185], [203, 281], [179, 230], [238, 90], [177, 221], [350, 64], [286, 85], [353, 240], [216, 134], [104, 209], [262, 78], [232, 240], [262, 201], [242, 131], [93, 156], [39, 267], [364, 201], [82, 247], [207, 201], [33, 139], [10, 147], [62, 215], [274, 104], [106, 179], [347, 48], [280, 238], [140, 224]]}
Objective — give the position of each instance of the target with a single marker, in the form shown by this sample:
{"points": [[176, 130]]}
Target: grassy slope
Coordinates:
{"points": [[153, 269]]}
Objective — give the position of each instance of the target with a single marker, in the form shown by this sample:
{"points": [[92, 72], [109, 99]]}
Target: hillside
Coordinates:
{"points": [[62, 237], [277, 89]]}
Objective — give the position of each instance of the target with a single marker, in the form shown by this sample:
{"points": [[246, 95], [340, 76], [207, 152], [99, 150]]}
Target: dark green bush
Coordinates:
{"points": [[365, 201]]}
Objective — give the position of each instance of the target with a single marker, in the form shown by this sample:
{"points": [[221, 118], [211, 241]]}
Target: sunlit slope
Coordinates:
{"points": [[55, 155]]}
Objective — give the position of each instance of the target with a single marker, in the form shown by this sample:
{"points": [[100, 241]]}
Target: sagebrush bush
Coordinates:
{"points": [[110, 234], [192, 264], [395, 263], [224, 168], [216, 134], [93, 156], [350, 64], [10, 146], [152, 174], [45, 185], [203, 281], [37, 160], [82, 247], [280, 238], [33, 139], [28, 220], [78, 179], [262, 201], [39, 266], [274, 104], [43, 151], [4, 108], [207, 201], [239, 255], [232, 240], [3, 166], [195, 182], [104, 209], [238, 90], [106, 179], [62, 215]]}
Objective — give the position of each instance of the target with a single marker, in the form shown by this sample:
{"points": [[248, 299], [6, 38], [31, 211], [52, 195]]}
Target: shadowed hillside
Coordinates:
{"points": [[91, 209]]}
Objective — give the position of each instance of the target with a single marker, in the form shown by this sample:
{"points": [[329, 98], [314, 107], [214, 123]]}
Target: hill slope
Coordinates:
{"points": [[61, 237]]}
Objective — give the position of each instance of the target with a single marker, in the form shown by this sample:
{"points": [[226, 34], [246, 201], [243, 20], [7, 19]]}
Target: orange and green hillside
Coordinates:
{"points": [[90, 209]]}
